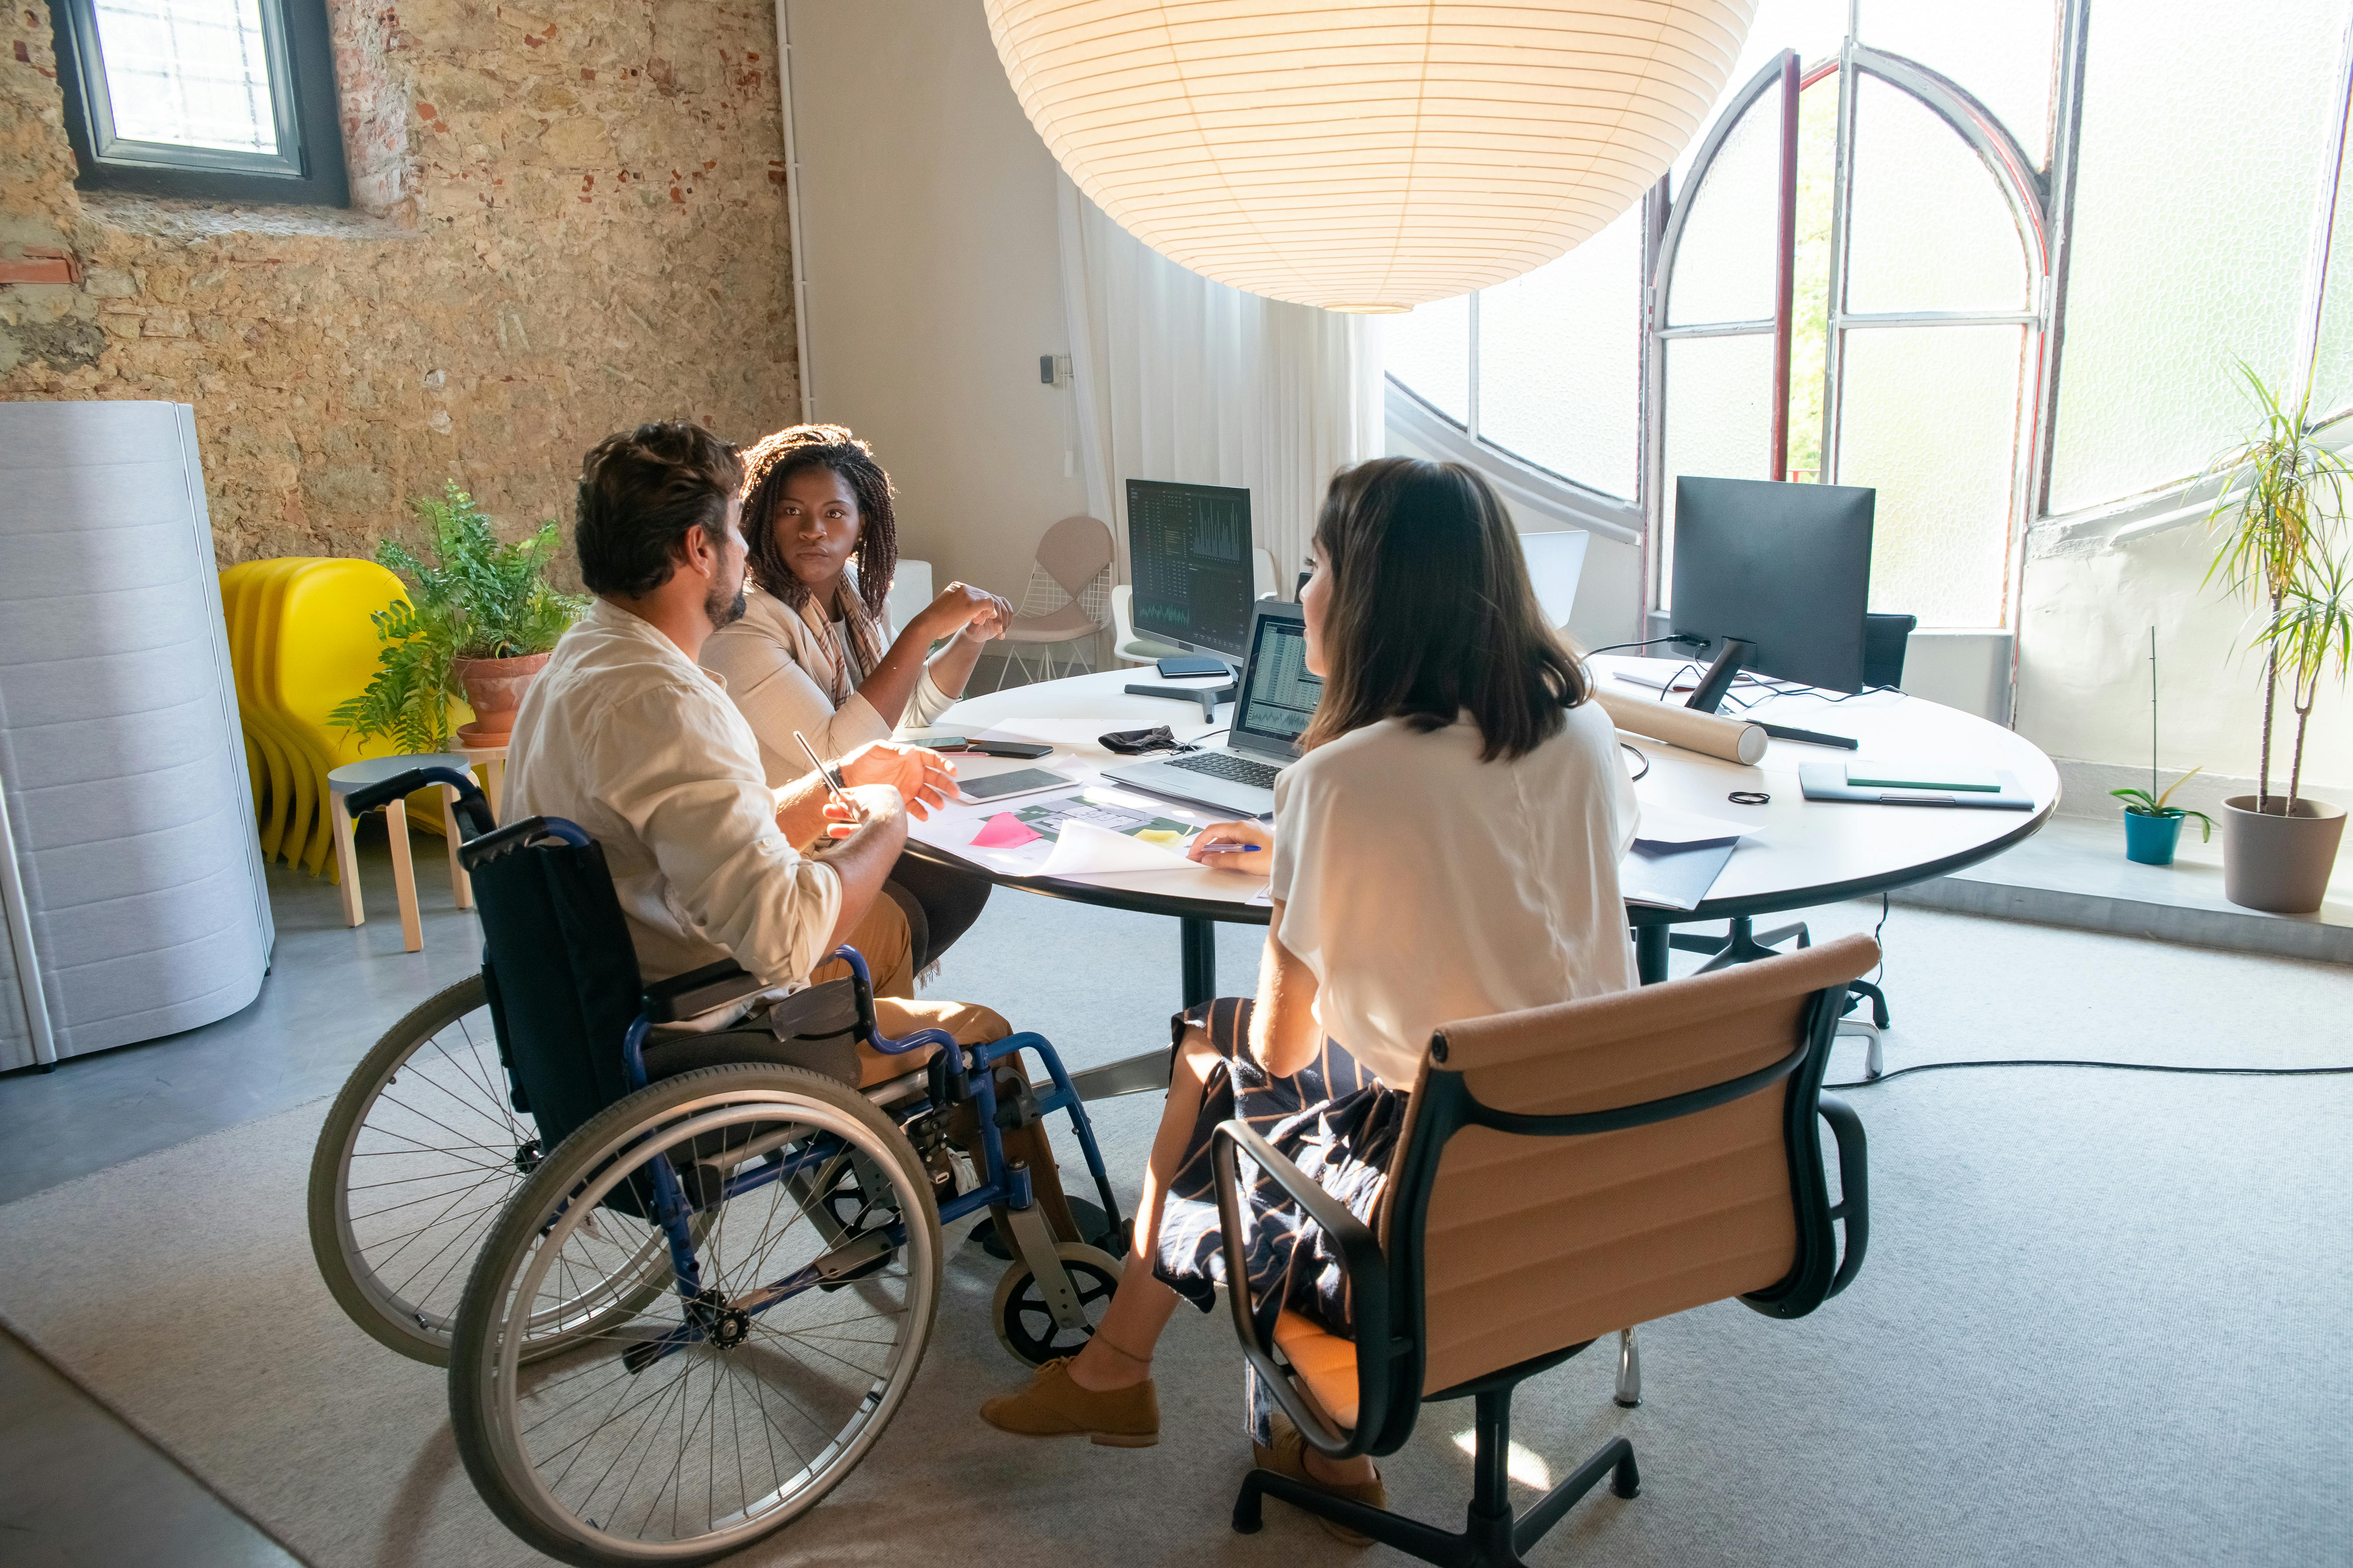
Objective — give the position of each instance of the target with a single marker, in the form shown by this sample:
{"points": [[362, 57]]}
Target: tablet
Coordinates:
{"points": [[997, 785]]}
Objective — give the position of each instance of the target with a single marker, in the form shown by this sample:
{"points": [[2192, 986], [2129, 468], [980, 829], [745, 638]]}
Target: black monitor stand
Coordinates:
{"points": [[1208, 697]]}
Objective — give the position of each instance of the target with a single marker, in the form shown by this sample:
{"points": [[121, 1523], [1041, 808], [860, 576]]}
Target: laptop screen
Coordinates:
{"points": [[1279, 696]]}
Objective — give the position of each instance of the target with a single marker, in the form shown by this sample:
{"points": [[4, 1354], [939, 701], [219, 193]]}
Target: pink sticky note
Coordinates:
{"points": [[1003, 831]]}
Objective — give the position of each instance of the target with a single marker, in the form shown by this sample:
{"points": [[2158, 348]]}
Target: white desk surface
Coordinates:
{"points": [[1804, 852]]}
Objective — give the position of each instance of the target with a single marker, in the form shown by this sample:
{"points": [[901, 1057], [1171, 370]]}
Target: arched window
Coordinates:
{"points": [[1908, 223]]}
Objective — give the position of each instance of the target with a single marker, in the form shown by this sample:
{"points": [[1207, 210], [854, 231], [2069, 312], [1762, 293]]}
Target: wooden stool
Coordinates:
{"points": [[376, 770]]}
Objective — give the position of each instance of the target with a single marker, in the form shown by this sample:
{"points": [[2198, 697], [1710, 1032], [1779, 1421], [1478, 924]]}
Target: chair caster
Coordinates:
{"points": [[1250, 1511]]}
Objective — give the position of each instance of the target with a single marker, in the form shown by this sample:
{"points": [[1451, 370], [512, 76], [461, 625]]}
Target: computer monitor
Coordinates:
{"points": [[1189, 554], [1784, 566], [1556, 561]]}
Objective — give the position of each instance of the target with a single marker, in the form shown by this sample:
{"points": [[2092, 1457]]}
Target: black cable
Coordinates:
{"points": [[2117, 1066], [1638, 757], [1654, 642]]}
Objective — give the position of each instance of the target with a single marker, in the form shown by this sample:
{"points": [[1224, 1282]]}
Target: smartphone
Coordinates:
{"points": [[1027, 750], [1020, 783]]}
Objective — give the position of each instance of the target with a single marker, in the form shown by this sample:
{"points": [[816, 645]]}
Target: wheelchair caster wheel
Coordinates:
{"points": [[1092, 1223], [1026, 1326]]}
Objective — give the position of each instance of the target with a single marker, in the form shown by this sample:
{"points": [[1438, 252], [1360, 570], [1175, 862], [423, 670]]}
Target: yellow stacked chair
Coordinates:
{"points": [[301, 642]]}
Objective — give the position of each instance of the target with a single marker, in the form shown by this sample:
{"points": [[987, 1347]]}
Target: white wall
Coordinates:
{"points": [[927, 212], [2090, 594]]}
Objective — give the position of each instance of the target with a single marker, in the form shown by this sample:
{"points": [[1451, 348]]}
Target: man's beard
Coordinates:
{"points": [[724, 612]]}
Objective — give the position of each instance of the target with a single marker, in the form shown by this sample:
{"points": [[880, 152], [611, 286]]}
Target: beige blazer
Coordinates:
{"points": [[778, 670]]}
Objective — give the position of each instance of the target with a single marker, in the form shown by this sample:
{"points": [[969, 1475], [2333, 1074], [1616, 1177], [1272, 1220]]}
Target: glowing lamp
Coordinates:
{"points": [[1366, 158]]}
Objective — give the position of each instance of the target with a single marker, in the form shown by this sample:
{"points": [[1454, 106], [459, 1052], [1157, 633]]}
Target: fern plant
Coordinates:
{"points": [[474, 598], [497, 596], [407, 699]]}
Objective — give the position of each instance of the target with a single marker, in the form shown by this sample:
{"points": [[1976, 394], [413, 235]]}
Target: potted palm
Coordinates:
{"points": [[2280, 520], [482, 618]]}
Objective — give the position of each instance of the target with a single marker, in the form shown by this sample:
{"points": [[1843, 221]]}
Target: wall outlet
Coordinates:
{"points": [[1054, 370]]}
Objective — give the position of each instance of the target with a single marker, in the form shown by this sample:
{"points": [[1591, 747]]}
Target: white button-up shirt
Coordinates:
{"points": [[624, 734]]}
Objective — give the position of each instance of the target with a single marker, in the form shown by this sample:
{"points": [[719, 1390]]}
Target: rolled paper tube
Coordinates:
{"points": [[1711, 734]]}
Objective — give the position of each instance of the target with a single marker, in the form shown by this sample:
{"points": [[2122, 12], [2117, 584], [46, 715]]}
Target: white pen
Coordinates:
{"points": [[826, 775]]}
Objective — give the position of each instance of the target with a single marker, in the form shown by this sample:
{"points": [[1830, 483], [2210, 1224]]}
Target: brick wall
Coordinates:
{"points": [[563, 222]]}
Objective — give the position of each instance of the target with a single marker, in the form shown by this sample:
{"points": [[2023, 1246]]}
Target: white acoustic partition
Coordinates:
{"points": [[129, 861]]}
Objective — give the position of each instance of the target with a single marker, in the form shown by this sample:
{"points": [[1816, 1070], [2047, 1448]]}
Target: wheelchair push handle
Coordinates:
{"points": [[472, 810]]}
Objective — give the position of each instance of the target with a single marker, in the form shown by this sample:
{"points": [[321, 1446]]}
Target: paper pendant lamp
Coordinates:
{"points": [[1363, 157]]}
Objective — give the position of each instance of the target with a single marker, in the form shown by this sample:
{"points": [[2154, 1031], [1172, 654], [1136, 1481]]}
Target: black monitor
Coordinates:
{"points": [[1784, 566], [1189, 554]]}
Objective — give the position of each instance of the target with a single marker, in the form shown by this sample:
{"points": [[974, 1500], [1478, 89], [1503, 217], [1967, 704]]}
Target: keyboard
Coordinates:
{"points": [[1228, 766]]}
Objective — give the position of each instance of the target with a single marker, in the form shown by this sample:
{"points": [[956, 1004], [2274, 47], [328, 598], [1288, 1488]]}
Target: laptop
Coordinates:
{"points": [[1277, 698]]}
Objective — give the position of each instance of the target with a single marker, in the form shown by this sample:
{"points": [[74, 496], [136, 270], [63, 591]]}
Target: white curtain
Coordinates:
{"points": [[1181, 379]]}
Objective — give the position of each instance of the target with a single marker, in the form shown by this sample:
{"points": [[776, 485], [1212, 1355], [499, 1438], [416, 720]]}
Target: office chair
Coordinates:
{"points": [[1884, 641], [1564, 1172]]}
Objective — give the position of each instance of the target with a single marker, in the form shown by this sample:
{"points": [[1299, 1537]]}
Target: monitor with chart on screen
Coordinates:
{"points": [[1189, 553]]}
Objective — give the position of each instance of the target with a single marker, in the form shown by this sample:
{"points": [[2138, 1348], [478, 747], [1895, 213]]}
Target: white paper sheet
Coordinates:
{"points": [[1083, 849], [1673, 827]]}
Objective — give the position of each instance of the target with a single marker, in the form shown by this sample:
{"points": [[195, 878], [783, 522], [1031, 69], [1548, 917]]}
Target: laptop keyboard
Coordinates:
{"points": [[1228, 766]]}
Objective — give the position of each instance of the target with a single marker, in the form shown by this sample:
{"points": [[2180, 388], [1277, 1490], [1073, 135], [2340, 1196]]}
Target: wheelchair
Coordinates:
{"points": [[675, 1311]]}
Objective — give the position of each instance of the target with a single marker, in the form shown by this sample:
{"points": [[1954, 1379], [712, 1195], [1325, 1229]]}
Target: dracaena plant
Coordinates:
{"points": [[2277, 521]]}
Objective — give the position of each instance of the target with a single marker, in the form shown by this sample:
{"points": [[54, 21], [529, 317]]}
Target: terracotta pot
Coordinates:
{"points": [[2275, 862], [494, 689]]}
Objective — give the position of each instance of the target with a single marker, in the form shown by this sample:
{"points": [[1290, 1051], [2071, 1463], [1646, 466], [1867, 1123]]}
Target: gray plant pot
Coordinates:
{"points": [[2275, 862]]}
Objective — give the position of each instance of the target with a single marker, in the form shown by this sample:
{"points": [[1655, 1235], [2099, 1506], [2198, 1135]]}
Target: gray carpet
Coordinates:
{"points": [[2103, 1320]]}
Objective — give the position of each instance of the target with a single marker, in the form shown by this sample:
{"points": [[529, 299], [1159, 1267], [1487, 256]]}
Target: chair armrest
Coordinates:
{"points": [[699, 991], [1854, 1186], [1368, 1288]]}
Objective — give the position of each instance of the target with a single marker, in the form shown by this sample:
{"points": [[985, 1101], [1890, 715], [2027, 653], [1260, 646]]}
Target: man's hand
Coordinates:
{"points": [[878, 805], [924, 779]]}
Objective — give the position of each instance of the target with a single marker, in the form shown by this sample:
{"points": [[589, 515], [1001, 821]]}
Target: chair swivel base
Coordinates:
{"points": [[1491, 1537]]}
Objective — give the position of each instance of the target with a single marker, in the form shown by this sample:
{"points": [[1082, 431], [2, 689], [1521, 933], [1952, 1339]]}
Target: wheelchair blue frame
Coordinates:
{"points": [[970, 1075]]}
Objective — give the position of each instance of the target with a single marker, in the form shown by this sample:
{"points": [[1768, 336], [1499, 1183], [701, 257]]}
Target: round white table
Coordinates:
{"points": [[1799, 852]]}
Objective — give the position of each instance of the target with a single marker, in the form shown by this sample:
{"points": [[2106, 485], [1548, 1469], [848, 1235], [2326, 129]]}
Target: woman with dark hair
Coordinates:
{"points": [[1446, 848], [814, 651]]}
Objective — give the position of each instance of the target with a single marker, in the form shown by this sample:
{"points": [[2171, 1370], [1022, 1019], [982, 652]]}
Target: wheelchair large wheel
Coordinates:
{"points": [[417, 1158], [686, 1428]]}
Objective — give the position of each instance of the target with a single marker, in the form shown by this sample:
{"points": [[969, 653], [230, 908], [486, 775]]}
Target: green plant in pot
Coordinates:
{"points": [[482, 619], [2280, 517], [2152, 827]]}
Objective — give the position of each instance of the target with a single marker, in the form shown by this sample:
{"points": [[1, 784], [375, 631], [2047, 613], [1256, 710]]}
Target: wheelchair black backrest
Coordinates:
{"points": [[561, 976]]}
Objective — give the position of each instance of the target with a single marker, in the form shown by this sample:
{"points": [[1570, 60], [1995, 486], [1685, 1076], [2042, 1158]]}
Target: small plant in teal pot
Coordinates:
{"points": [[2152, 828]]}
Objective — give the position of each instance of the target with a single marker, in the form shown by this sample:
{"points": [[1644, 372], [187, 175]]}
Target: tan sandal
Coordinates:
{"points": [[1054, 1406], [1288, 1456]]}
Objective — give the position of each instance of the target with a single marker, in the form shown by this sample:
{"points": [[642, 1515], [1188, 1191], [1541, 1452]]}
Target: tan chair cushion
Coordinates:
{"points": [[1536, 1244], [1324, 1364]]}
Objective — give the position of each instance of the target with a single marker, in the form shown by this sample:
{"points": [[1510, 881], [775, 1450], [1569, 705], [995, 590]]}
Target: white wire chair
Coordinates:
{"points": [[1068, 600]]}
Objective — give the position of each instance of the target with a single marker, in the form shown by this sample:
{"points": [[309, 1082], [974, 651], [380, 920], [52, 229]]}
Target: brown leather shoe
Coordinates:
{"points": [[1288, 1456], [1054, 1406]]}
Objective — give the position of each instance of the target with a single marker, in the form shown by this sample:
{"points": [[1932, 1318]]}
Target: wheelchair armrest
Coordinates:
{"points": [[472, 809], [699, 991], [1854, 1186], [1368, 1290]]}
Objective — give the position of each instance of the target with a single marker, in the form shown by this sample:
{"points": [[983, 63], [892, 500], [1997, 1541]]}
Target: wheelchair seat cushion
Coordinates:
{"points": [[837, 1056]]}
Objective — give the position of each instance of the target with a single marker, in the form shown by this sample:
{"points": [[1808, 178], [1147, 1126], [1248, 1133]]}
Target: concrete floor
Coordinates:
{"points": [[84, 1487]]}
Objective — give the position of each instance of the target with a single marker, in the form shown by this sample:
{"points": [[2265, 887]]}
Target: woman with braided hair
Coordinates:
{"points": [[814, 652]]}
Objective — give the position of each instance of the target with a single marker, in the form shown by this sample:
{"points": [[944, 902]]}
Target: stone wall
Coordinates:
{"points": [[563, 222]]}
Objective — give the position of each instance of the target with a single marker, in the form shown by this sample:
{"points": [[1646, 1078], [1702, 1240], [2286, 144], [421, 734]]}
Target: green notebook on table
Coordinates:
{"points": [[1875, 775]]}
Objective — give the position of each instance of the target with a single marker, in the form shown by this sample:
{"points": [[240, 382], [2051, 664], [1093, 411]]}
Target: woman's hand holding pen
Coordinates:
{"points": [[1233, 846]]}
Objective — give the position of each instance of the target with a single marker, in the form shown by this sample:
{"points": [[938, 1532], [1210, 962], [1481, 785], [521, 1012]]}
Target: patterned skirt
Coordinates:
{"points": [[1335, 1120]]}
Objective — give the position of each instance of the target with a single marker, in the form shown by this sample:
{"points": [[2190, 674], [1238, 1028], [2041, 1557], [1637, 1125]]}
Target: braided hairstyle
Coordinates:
{"points": [[768, 468]]}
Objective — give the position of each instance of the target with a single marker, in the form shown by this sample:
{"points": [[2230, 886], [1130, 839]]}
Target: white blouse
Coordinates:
{"points": [[1421, 885]]}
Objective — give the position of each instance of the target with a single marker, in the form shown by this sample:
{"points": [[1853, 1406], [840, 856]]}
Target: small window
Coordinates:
{"points": [[213, 100]]}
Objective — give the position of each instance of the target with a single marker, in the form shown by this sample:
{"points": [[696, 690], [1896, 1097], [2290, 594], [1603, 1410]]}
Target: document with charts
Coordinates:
{"points": [[1086, 831]]}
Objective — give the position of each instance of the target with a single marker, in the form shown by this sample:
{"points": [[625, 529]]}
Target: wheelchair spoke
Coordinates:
{"points": [[668, 1422]]}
